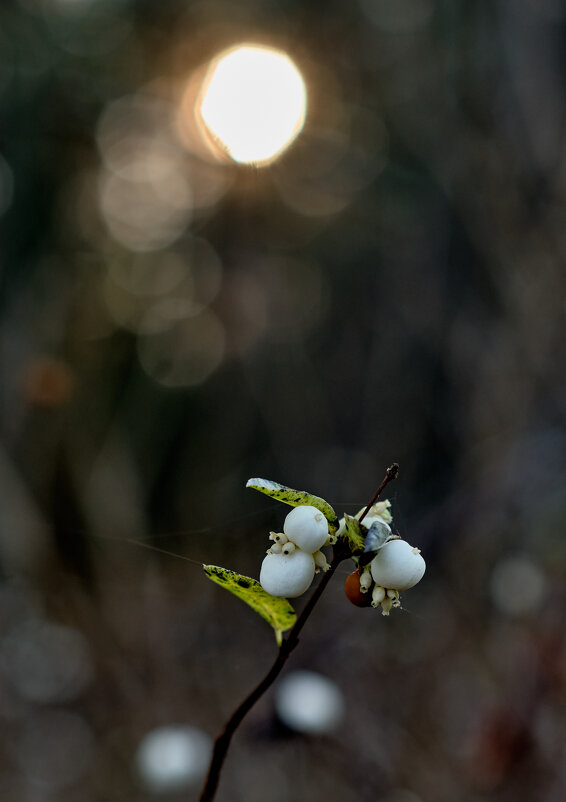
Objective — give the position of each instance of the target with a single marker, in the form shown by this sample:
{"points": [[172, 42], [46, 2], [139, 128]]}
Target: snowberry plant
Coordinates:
{"points": [[291, 563], [385, 564]]}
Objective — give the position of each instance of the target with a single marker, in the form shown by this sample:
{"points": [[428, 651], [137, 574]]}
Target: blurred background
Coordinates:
{"points": [[391, 287]]}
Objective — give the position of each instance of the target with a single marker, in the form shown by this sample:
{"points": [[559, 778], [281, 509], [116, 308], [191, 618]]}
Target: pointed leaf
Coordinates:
{"points": [[275, 610], [353, 533], [377, 535], [295, 498]]}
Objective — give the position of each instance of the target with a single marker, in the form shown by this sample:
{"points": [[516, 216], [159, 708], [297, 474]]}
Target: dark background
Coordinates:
{"points": [[392, 288]]}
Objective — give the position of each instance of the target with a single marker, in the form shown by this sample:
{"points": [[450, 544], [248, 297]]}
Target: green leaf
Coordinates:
{"points": [[353, 533], [377, 535], [295, 498], [275, 610]]}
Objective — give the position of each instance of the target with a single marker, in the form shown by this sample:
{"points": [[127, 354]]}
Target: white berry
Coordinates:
{"points": [[397, 565], [287, 575], [307, 528]]}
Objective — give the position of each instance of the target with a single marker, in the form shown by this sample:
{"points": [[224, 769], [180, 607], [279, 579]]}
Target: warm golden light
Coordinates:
{"points": [[253, 103]]}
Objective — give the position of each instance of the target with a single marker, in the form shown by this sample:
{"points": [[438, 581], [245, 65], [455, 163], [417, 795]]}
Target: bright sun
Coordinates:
{"points": [[253, 103]]}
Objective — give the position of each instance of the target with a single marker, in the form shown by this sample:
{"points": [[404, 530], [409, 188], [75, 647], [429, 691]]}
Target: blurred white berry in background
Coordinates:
{"points": [[309, 703], [174, 757], [46, 662], [518, 585]]}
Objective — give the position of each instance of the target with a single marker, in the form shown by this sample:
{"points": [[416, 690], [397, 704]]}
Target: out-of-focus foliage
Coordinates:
{"points": [[391, 288]]}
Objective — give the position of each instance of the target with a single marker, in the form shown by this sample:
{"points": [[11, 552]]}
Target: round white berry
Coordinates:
{"points": [[287, 575], [306, 527], [397, 565]]}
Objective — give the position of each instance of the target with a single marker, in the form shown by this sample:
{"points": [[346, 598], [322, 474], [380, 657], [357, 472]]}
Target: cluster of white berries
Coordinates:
{"points": [[295, 556], [396, 566]]}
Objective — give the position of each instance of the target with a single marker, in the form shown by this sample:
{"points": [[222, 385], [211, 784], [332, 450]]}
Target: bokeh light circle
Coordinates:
{"points": [[185, 353], [46, 662], [173, 757], [252, 104], [518, 585], [309, 703]]}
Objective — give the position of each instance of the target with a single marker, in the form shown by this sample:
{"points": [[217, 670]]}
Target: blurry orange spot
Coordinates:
{"points": [[48, 382]]}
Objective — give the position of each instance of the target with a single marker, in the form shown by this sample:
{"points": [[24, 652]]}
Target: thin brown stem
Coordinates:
{"points": [[390, 475], [222, 743]]}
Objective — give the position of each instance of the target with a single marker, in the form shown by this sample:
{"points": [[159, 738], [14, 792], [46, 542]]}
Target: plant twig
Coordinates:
{"points": [[223, 741], [340, 553], [390, 475]]}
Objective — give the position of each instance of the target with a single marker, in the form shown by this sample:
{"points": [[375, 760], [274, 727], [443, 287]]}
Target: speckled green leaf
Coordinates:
{"points": [[353, 533], [275, 610], [295, 498]]}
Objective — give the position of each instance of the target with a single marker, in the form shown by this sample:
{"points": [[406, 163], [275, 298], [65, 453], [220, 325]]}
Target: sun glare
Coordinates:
{"points": [[252, 103]]}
